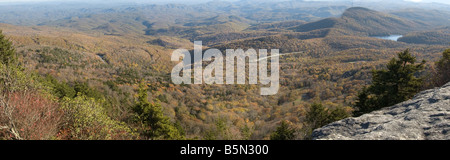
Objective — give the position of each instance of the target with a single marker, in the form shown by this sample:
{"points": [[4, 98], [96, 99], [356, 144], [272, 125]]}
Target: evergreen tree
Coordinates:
{"points": [[7, 51], [283, 132], [337, 114], [155, 124], [390, 86], [12, 77], [443, 68], [317, 116]]}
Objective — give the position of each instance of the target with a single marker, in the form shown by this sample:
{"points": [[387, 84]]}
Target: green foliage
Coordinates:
{"points": [[12, 75], [63, 89], [112, 85], [60, 58], [443, 68], [396, 84], [14, 79], [246, 132], [155, 125], [84, 117], [210, 135], [283, 132], [26, 110], [7, 52], [84, 89], [180, 129], [319, 116], [220, 131], [322, 65], [338, 114], [163, 98], [87, 120], [59, 89]]}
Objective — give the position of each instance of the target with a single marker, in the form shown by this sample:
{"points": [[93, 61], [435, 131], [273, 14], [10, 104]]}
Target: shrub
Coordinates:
{"points": [[283, 132], [319, 115], [29, 115], [25, 113], [87, 120]]}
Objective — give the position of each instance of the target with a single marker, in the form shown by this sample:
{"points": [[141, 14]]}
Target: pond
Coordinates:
{"points": [[390, 37]]}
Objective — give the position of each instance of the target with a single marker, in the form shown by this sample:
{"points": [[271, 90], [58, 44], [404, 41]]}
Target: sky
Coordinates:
{"points": [[200, 1]]}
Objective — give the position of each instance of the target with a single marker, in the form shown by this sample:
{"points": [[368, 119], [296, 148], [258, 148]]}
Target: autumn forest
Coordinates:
{"points": [[103, 72]]}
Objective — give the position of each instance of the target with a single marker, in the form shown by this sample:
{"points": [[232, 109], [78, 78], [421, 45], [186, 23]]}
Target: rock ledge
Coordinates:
{"points": [[425, 117]]}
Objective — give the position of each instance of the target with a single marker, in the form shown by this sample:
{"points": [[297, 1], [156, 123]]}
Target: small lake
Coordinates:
{"points": [[391, 37]]}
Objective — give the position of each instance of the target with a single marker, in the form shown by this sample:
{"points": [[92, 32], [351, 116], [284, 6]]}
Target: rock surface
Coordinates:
{"points": [[425, 117]]}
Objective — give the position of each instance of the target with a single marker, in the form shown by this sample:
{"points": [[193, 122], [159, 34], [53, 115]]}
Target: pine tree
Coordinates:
{"points": [[7, 51], [12, 77], [443, 68], [155, 124], [283, 132], [390, 86], [337, 114], [317, 116]]}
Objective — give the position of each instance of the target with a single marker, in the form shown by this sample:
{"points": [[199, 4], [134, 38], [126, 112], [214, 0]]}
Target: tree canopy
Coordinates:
{"points": [[283, 132], [154, 123], [397, 83], [7, 51]]}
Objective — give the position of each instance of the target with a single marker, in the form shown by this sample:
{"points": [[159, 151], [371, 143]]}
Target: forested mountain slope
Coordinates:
{"points": [[363, 21], [117, 60]]}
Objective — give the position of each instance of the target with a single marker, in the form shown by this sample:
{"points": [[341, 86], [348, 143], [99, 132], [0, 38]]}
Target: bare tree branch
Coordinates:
{"points": [[8, 113]]}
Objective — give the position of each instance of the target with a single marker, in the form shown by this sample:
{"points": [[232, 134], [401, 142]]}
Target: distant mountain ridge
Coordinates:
{"points": [[435, 18], [365, 22]]}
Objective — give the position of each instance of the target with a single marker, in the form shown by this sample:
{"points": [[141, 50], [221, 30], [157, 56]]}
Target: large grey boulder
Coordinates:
{"points": [[425, 117]]}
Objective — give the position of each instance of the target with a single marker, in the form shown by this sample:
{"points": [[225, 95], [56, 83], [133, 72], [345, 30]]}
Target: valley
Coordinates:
{"points": [[327, 53]]}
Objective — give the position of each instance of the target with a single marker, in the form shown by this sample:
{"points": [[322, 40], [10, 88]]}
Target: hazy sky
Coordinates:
{"points": [[191, 1]]}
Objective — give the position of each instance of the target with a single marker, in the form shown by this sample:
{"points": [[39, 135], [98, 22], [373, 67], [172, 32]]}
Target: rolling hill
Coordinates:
{"points": [[364, 22], [276, 25], [440, 36], [113, 49]]}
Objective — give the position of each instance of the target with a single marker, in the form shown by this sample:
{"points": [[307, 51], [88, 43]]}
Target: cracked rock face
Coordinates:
{"points": [[425, 117]]}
